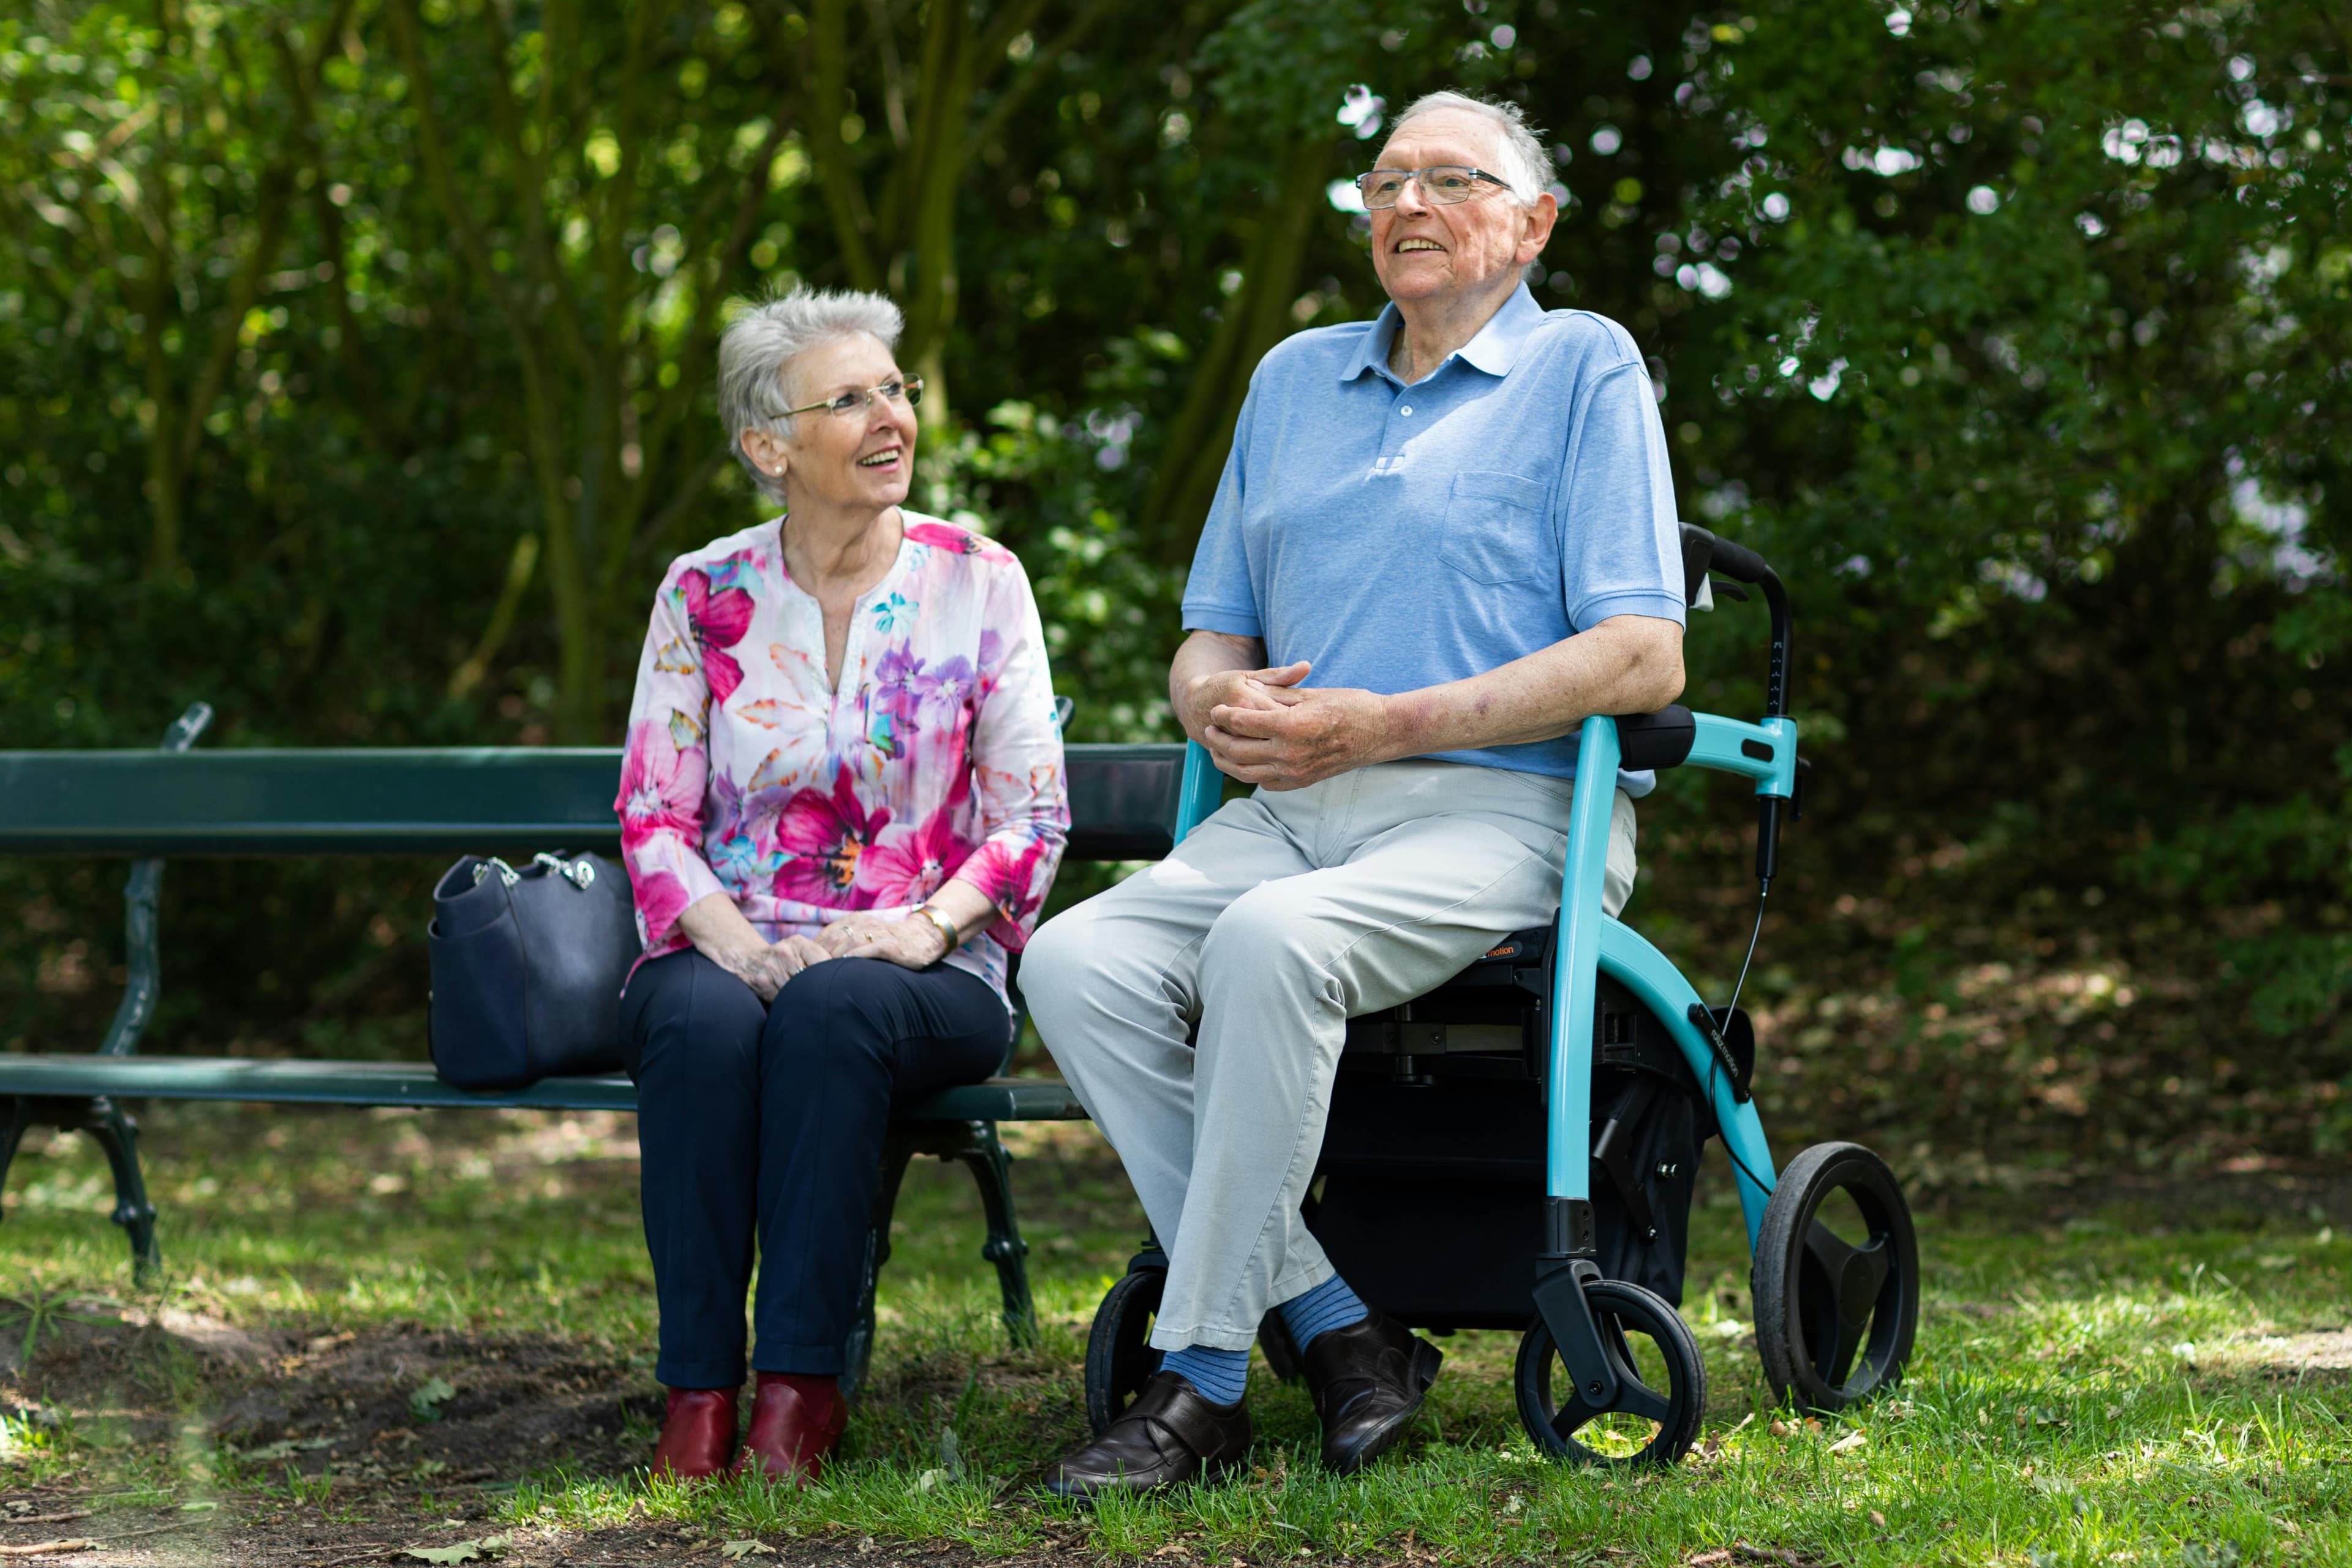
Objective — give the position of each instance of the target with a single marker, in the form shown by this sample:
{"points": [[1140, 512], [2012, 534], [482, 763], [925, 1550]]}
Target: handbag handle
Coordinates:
{"points": [[579, 873]]}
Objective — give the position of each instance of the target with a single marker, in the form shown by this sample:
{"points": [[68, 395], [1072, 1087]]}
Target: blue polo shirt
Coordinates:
{"points": [[1398, 537]]}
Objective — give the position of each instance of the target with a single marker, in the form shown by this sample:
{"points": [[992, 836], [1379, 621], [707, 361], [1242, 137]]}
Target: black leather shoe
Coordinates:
{"points": [[1367, 1379], [1169, 1436]]}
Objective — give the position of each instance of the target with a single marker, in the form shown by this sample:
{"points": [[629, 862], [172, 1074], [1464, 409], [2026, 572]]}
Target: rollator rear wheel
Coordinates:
{"points": [[1836, 1278], [1663, 1384], [1119, 1357]]}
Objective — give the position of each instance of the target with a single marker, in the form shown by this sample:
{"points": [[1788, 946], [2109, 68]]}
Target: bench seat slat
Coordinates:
{"points": [[67, 1075], [450, 799]]}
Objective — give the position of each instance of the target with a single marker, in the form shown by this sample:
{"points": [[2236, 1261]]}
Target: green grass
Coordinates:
{"points": [[2110, 1389]]}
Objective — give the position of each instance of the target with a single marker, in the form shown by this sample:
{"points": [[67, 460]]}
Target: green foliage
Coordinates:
{"points": [[1287, 68], [354, 365], [1107, 606], [425, 1400]]}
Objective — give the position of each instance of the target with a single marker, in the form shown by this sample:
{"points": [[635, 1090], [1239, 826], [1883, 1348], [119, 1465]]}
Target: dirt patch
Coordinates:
{"points": [[397, 1406], [201, 1443], [128, 1539], [404, 1400], [131, 1537], [396, 1436], [2324, 1350]]}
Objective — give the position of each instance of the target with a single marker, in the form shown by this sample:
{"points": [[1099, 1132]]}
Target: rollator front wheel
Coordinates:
{"points": [[1836, 1278], [1662, 1385], [1119, 1357]]}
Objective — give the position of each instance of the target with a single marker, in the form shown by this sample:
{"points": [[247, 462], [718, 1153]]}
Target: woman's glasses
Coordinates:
{"points": [[908, 391], [1442, 183]]}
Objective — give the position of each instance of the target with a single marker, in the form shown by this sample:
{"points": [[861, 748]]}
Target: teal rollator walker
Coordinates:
{"points": [[1517, 1149]]}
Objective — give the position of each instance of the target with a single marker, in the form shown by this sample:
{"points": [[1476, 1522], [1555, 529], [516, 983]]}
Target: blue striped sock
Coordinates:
{"points": [[1220, 1377], [1330, 1305]]}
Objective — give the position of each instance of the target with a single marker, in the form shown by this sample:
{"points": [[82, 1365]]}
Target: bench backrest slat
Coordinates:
{"points": [[400, 800]]}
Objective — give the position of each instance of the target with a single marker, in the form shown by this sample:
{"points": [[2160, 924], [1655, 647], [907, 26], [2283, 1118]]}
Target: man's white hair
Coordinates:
{"points": [[1522, 166], [758, 350]]}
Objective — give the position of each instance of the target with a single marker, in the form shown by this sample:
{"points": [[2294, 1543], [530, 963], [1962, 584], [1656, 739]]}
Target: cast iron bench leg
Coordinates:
{"points": [[975, 1144], [103, 1119], [118, 1136], [21, 1117], [983, 1155]]}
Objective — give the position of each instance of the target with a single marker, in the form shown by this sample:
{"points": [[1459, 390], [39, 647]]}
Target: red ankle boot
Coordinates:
{"points": [[697, 1434], [795, 1421]]}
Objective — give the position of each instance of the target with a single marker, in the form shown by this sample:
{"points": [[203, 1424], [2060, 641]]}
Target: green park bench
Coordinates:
{"points": [[150, 806]]}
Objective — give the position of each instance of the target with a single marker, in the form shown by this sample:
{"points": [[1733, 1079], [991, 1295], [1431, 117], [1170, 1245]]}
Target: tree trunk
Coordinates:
{"points": [[1192, 457]]}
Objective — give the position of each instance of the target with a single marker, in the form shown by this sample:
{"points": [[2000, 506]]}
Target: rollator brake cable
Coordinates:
{"points": [[1763, 892]]}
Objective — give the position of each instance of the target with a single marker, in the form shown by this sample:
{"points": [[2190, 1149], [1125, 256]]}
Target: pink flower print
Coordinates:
{"points": [[660, 790], [957, 540], [661, 899], [907, 865], [941, 536], [720, 616], [1007, 880], [827, 836]]}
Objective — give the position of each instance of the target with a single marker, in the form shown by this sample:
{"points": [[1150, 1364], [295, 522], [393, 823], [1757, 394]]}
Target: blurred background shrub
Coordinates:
{"points": [[354, 376]]}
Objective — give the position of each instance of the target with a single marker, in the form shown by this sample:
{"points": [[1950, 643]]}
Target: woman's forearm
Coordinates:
{"points": [[720, 934], [965, 906]]}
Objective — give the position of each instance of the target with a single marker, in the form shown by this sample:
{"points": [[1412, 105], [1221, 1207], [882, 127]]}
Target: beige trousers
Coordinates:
{"points": [[1280, 918]]}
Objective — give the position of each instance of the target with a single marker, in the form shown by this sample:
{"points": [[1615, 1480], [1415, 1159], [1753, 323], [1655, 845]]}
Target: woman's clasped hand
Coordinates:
{"points": [[912, 943], [767, 968]]}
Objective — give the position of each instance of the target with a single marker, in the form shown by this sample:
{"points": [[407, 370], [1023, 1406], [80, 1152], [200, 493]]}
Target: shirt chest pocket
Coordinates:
{"points": [[1495, 530]]}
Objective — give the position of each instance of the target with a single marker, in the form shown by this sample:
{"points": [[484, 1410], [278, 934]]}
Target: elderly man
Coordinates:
{"points": [[1443, 539]]}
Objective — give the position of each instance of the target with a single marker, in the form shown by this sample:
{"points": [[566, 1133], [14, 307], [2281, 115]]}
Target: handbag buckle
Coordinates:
{"points": [[507, 874]]}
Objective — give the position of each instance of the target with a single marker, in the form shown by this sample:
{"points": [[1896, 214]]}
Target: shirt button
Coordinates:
{"points": [[1406, 411]]}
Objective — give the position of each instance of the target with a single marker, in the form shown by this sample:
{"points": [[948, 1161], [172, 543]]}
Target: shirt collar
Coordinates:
{"points": [[1495, 349]]}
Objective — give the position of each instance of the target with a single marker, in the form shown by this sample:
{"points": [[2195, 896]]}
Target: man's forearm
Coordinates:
{"points": [[1628, 664]]}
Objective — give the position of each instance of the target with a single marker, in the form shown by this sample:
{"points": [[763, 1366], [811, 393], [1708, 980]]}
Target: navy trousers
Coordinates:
{"points": [[766, 1123]]}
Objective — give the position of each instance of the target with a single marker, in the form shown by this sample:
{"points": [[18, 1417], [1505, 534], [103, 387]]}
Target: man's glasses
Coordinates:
{"points": [[908, 391], [1443, 184]]}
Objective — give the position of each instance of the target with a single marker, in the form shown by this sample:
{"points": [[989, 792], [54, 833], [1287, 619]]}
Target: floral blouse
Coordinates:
{"points": [[938, 757]]}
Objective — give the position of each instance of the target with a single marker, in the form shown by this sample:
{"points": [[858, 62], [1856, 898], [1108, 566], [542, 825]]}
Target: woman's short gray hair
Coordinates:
{"points": [[1523, 163], [760, 345]]}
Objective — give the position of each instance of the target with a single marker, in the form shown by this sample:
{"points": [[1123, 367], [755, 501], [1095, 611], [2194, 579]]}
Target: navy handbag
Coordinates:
{"points": [[528, 963]]}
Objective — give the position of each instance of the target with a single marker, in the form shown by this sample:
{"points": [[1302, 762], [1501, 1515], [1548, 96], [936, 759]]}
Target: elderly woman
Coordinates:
{"points": [[840, 805]]}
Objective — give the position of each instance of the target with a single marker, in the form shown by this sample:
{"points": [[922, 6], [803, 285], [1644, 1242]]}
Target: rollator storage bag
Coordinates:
{"points": [[1430, 1202], [528, 963], [1664, 1159]]}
